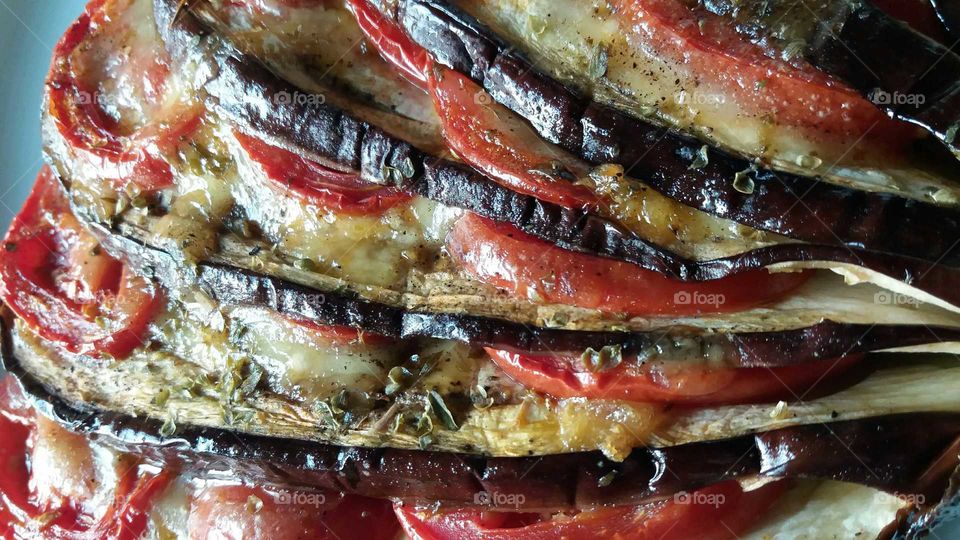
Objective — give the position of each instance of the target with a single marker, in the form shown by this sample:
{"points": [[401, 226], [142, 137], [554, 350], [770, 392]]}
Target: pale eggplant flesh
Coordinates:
{"points": [[662, 158]]}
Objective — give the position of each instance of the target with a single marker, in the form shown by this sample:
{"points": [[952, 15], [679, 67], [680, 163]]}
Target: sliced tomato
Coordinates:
{"points": [[568, 376], [484, 134], [244, 512], [707, 45], [15, 422], [96, 137], [719, 512], [413, 61], [340, 334], [501, 144], [315, 183], [499, 254], [54, 276], [20, 514], [129, 514]]}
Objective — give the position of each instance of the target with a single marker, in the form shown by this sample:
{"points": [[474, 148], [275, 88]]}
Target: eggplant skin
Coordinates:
{"points": [[948, 11], [873, 52], [662, 158], [547, 482]]}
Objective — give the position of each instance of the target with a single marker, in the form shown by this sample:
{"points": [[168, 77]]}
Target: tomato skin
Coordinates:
{"points": [[340, 334], [566, 377], [497, 142], [502, 256], [794, 92], [315, 183], [53, 278], [14, 475], [230, 511], [718, 512], [484, 134], [392, 42], [20, 517], [124, 159]]}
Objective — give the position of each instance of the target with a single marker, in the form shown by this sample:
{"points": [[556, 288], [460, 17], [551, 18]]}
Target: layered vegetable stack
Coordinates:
{"points": [[493, 269]]}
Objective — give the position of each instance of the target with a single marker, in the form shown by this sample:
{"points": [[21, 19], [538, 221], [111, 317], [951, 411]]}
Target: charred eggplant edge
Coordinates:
{"points": [[662, 157]]}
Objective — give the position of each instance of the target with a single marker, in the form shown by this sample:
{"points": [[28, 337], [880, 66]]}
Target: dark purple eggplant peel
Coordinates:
{"points": [[242, 88], [948, 11], [869, 452], [662, 157]]}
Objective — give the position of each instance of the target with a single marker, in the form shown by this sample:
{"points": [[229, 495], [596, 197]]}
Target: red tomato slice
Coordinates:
{"points": [[126, 519], [498, 142], [392, 42], [311, 181], [711, 49], [484, 134], [250, 513], [502, 256], [94, 135], [566, 376], [14, 475], [340, 334], [718, 512], [55, 278]]}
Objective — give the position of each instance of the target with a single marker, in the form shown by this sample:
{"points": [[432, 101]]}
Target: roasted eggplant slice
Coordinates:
{"points": [[295, 386], [689, 68], [790, 452], [192, 457], [662, 158], [754, 339]]}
